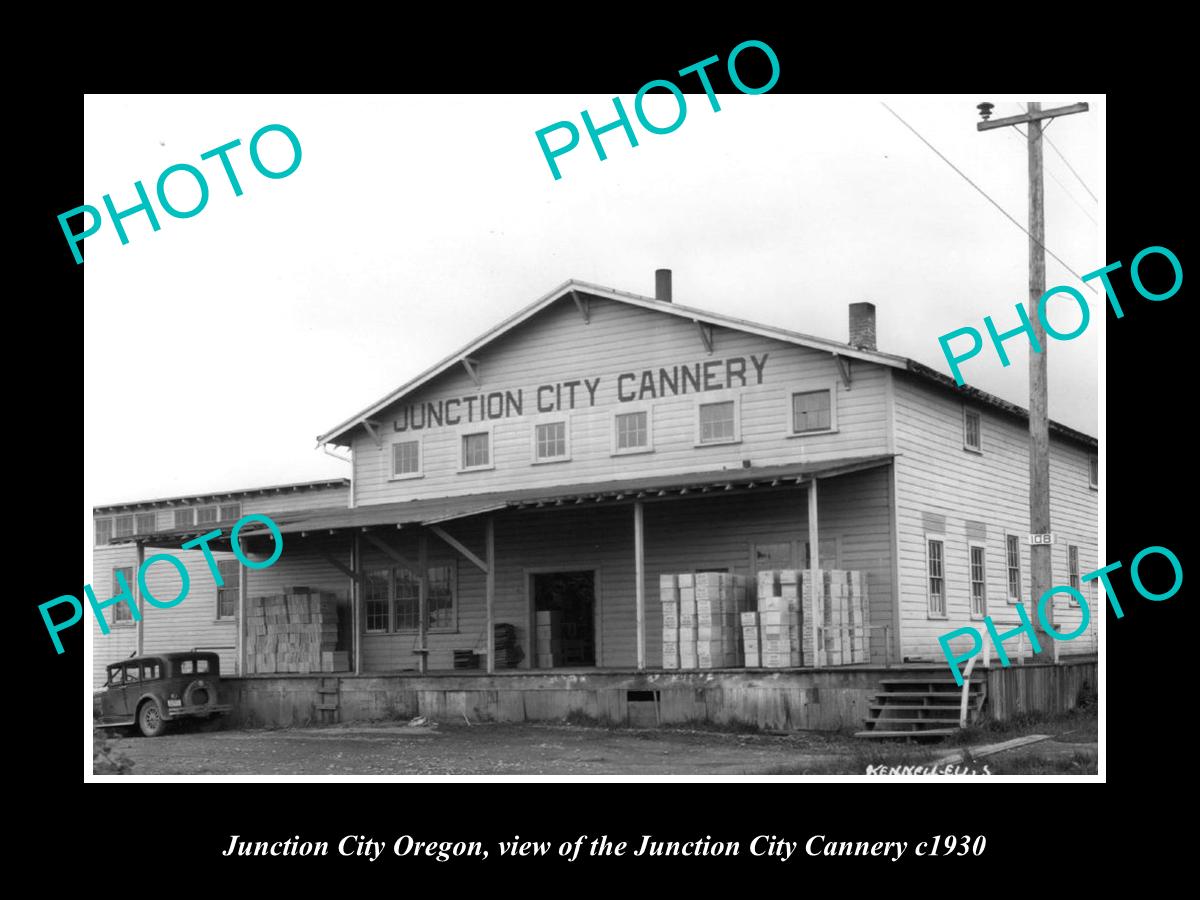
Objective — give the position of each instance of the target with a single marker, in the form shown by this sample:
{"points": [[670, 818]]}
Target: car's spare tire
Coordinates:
{"points": [[200, 693]]}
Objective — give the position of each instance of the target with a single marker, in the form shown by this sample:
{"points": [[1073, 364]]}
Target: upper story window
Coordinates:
{"points": [[1073, 565], [227, 594], [1012, 550], [406, 459], [717, 423], [936, 550], [631, 432], [972, 430], [185, 518], [230, 511], [145, 523], [550, 442], [120, 610], [206, 515], [122, 526], [812, 411], [477, 450], [1094, 471], [104, 531]]}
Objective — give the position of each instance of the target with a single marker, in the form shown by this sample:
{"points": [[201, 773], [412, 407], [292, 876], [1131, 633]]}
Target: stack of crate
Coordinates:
{"points": [[777, 623], [720, 597], [843, 607], [687, 621], [668, 595], [293, 632], [549, 638]]}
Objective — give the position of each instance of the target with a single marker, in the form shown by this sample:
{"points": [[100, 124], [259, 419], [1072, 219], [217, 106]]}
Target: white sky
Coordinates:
{"points": [[218, 347]]}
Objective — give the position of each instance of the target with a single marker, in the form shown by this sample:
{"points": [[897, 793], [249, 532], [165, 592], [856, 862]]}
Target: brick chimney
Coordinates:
{"points": [[662, 285], [862, 325]]}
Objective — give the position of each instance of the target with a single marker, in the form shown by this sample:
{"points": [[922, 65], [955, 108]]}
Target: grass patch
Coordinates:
{"points": [[991, 730], [1078, 763], [856, 763]]}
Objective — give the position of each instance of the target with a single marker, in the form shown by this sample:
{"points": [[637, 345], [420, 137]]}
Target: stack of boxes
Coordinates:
{"points": [[549, 638], [700, 620], [687, 621], [294, 632], [842, 602], [777, 624], [668, 595]]}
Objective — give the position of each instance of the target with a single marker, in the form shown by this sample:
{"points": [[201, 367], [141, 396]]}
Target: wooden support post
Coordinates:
{"points": [[491, 594], [639, 568], [423, 600], [243, 588], [814, 566], [137, 598], [355, 597]]}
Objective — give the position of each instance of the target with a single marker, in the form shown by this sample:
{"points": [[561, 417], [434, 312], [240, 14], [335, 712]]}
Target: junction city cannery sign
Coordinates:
{"points": [[580, 393]]}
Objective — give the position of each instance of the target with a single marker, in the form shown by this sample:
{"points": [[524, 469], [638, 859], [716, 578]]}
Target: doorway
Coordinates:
{"points": [[564, 614]]}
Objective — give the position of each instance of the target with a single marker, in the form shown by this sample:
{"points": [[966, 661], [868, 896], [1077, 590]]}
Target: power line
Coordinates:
{"points": [[1066, 162], [985, 194], [1066, 190]]}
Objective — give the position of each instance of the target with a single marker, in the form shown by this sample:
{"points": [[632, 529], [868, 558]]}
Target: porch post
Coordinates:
{"points": [[490, 636], [243, 587], [423, 600], [137, 596], [639, 567], [814, 566], [355, 597]]}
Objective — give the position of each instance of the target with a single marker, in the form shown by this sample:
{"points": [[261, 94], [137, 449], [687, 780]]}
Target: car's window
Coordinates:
{"points": [[116, 676], [132, 673], [202, 665], [151, 671], [185, 667]]}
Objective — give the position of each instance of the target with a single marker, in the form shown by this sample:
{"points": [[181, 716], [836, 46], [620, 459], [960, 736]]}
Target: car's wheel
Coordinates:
{"points": [[150, 719]]}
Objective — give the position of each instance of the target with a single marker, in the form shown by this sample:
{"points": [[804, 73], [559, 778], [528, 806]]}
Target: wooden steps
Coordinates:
{"points": [[328, 700], [921, 707]]}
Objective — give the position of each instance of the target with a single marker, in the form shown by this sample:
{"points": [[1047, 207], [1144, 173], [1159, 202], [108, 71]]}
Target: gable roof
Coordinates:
{"points": [[338, 434]]}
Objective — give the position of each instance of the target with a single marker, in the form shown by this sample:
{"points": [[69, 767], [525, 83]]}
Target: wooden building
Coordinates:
{"points": [[597, 439]]}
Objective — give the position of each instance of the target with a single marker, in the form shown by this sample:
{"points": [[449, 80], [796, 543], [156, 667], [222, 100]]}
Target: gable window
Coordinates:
{"points": [[122, 526], [185, 518], [376, 601], [227, 595], [230, 511], [104, 531], [631, 432], [476, 450], [935, 555], [1094, 471], [206, 515], [406, 459], [550, 442], [120, 610], [972, 430], [717, 423], [812, 411], [1012, 548], [978, 580], [145, 523]]}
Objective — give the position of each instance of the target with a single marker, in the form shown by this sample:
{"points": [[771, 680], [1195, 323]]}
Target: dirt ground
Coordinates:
{"points": [[556, 749]]}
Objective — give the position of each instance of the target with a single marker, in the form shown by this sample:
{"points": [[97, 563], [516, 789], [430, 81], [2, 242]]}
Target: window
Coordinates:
{"points": [[206, 515], [145, 523], [550, 442], [116, 675], [631, 432], [937, 578], [476, 450], [133, 673], [376, 602], [408, 600], [718, 422], [185, 518], [227, 595], [829, 554], [1013, 554], [812, 411], [972, 430], [121, 611], [104, 531], [1073, 565], [151, 671], [230, 511], [193, 666], [1094, 471], [123, 526], [406, 459], [978, 580]]}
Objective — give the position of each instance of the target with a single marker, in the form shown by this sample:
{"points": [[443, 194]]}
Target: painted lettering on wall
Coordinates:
{"points": [[584, 393]]}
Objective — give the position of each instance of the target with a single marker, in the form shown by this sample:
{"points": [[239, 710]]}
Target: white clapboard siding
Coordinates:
{"points": [[936, 477], [121, 639], [556, 346]]}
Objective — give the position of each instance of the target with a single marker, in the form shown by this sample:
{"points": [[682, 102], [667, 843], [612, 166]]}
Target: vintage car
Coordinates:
{"points": [[155, 690]]}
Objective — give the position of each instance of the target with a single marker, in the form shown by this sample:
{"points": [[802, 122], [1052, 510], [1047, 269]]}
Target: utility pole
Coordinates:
{"points": [[1039, 417]]}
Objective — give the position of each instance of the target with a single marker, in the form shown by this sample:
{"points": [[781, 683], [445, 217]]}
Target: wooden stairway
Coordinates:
{"points": [[328, 701], [921, 707]]}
